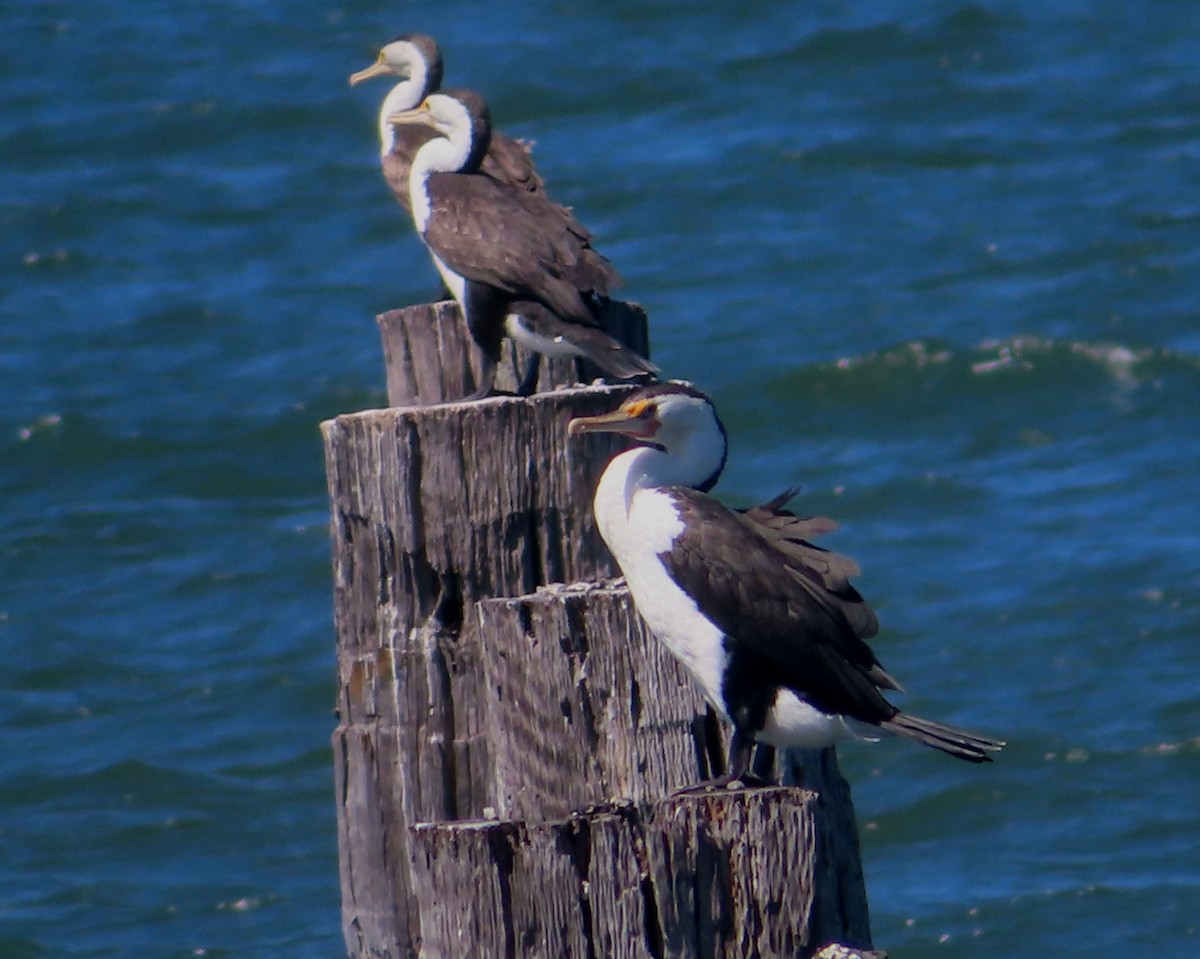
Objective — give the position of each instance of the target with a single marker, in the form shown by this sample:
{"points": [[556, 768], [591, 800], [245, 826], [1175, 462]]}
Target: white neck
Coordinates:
{"points": [[628, 474], [645, 468], [693, 446], [439, 155], [405, 95], [624, 476]]}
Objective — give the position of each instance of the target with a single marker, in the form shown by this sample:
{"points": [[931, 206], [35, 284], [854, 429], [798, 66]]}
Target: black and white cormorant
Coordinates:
{"points": [[517, 263], [415, 60], [766, 622]]}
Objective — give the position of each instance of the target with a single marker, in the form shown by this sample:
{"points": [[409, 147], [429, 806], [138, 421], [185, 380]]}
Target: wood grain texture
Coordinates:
{"points": [[433, 509], [723, 875], [549, 890], [841, 913], [733, 873], [585, 706], [378, 913], [835, 950], [467, 688], [429, 356]]}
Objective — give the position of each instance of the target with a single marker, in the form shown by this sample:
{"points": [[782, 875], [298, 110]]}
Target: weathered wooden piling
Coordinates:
{"points": [[584, 707], [429, 358], [506, 747]]}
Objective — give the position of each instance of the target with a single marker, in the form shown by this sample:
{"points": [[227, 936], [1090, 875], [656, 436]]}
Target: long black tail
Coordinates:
{"points": [[588, 340], [613, 357], [957, 742]]}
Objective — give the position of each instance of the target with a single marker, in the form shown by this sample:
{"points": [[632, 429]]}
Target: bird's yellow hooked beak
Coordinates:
{"points": [[637, 421], [377, 69]]}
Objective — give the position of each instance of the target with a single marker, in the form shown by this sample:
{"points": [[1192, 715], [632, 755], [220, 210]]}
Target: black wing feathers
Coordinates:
{"points": [[790, 534], [516, 241], [510, 161], [609, 354], [763, 585]]}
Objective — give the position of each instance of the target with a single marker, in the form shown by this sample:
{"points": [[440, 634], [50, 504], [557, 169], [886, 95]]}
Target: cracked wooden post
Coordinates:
{"points": [[574, 888], [722, 891], [468, 690], [585, 706], [687, 877], [429, 357], [433, 509]]}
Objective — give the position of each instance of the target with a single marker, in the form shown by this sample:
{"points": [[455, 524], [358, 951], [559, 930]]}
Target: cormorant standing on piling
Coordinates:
{"points": [[517, 263], [767, 623]]}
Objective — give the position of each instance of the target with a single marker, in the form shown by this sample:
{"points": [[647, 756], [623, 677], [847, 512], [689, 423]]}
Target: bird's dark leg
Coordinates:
{"points": [[741, 747], [764, 762], [529, 381], [484, 313], [487, 379], [737, 775], [579, 371]]}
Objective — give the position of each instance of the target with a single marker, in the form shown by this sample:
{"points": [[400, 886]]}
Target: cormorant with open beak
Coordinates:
{"points": [[766, 622]]}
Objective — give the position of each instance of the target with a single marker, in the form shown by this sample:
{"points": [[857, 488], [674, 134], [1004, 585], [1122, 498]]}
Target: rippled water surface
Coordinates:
{"points": [[938, 263]]}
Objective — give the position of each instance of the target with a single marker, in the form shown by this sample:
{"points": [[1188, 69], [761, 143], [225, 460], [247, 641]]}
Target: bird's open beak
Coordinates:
{"points": [[618, 421], [377, 69], [419, 115]]}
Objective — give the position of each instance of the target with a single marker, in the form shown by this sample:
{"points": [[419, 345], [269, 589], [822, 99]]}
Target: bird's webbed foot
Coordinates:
{"points": [[483, 393], [739, 774], [730, 782]]}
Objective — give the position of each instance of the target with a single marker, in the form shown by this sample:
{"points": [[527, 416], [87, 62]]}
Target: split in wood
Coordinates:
{"points": [[453, 702], [725, 875]]}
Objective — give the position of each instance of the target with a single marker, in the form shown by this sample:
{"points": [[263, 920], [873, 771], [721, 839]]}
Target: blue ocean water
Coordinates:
{"points": [[937, 263]]}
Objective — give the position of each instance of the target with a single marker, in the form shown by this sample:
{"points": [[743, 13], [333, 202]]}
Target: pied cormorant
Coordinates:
{"points": [[767, 623], [517, 263], [415, 60]]}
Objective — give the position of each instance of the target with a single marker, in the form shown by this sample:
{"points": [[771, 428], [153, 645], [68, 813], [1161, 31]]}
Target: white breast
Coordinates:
{"points": [[455, 283], [418, 197], [636, 536]]}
